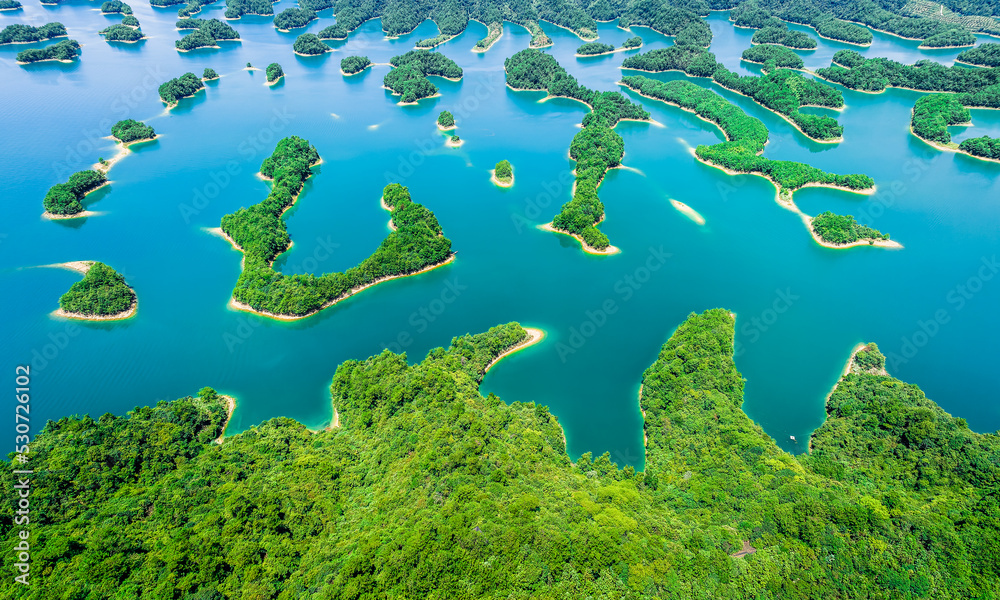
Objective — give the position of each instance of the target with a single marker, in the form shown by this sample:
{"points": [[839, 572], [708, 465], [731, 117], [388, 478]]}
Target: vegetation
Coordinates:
{"points": [[840, 229], [293, 18], [274, 72], [896, 498], [184, 86], [102, 293], [504, 172], [65, 50], [760, 15], [310, 45], [333, 32], [23, 34], [65, 198], [952, 38], [130, 21], [869, 360], [451, 18], [206, 33], [768, 54], [455, 140], [9, 5], [416, 243], [446, 119], [983, 55], [932, 114], [693, 60], [493, 34], [130, 130], [121, 33], [982, 147], [682, 22], [116, 7], [592, 48], [354, 64], [237, 8], [408, 78], [209, 74], [632, 42], [783, 36], [856, 72], [316, 5], [745, 137]]}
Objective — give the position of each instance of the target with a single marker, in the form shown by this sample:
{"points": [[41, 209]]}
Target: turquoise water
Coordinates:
{"points": [[606, 317]]}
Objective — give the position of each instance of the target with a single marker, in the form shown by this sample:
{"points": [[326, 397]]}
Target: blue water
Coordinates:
{"points": [[801, 307]]}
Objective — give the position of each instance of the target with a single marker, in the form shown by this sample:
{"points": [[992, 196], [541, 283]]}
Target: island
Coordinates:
{"points": [[112, 7], [352, 65], [130, 131], [773, 57], [493, 33], [414, 245], [632, 43], [26, 34], [958, 37], [983, 55], [333, 32], [274, 73], [745, 140], [206, 34], [408, 77], [503, 174], [316, 5], [209, 74], [934, 113], [237, 8], [887, 468], [780, 34], [185, 86], [826, 24], [597, 148], [309, 44], [10, 5], [130, 21], [63, 200], [102, 295], [842, 231], [446, 121], [121, 33], [874, 75], [594, 49], [454, 142], [64, 51], [294, 18]]}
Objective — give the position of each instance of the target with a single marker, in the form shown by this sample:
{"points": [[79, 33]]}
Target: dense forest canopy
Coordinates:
{"points": [[856, 72], [180, 87], [274, 72], [408, 77], [354, 64], [206, 33], [896, 498], [64, 50], [237, 8], [101, 293], [983, 55], [116, 7], [65, 198], [310, 45], [843, 229], [121, 33], [23, 34], [130, 130], [293, 18]]}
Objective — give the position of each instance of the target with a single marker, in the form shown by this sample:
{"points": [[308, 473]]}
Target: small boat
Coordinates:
{"points": [[791, 437]]}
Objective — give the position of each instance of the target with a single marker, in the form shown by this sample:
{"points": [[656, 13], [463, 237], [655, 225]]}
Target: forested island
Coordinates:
{"points": [[184, 86], [446, 121], [130, 131], [352, 65], [237, 8], [781, 35], [293, 18], [64, 199], [596, 149], [415, 244], [112, 7], [333, 32], [63, 51], [206, 34], [842, 230], [10, 5], [102, 295], [503, 174], [26, 34], [856, 72], [408, 77], [130, 21], [778, 56], [209, 74], [983, 55], [518, 518], [121, 33], [932, 114], [594, 49], [308, 44], [274, 72], [780, 90]]}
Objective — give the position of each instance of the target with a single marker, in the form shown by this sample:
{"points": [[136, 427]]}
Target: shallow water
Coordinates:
{"points": [[801, 307]]}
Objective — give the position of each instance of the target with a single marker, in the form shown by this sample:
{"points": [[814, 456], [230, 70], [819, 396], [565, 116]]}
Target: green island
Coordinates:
{"points": [[130, 131], [102, 294], [632, 43], [408, 77], [206, 34], [594, 49], [454, 142], [112, 7], [308, 44], [10, 5], [932, 114], [316, 5], [596, 148], [130, 21], [780, 56], [895, 499], [746, 137], [780, 90], [352, 65], [63, 51], [237, 8], [333, 32], [756, 15], [503, 174], [209, 74], [294, 18], [781, 35], [856, 72], [63, 200], [451, 18], [683, 21], [121, 33], [843, 230], [26, 34], [494, 31], [184, 86], [983, 55], [273, 72], [415, 244], [446, 121]]}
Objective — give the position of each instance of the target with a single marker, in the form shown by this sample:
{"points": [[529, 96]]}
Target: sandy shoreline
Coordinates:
{"points": [[275, 82], [474, 49], [453, 126], [688, 212], [452, 144], [578, 55], [230, 409], [123, 151], [586, 247], [82, 267], [498, 183], [534, 336]]}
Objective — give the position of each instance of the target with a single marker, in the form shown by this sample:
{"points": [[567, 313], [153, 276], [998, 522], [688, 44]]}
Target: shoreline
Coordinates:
{"points": [[32, 42], [446, 40], [688, 212], [645, 436], [82, 267], [586, 247], [622, 49], [275, 82], [497, 182], [452, 144], [490, 45], [452, 126], [297, 53], [534, 336], [956, 149], [82, 213], [230, 409], [123, 151]]}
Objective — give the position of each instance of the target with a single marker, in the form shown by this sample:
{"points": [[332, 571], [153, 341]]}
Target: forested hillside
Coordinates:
{"points": [[427, 489]]}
